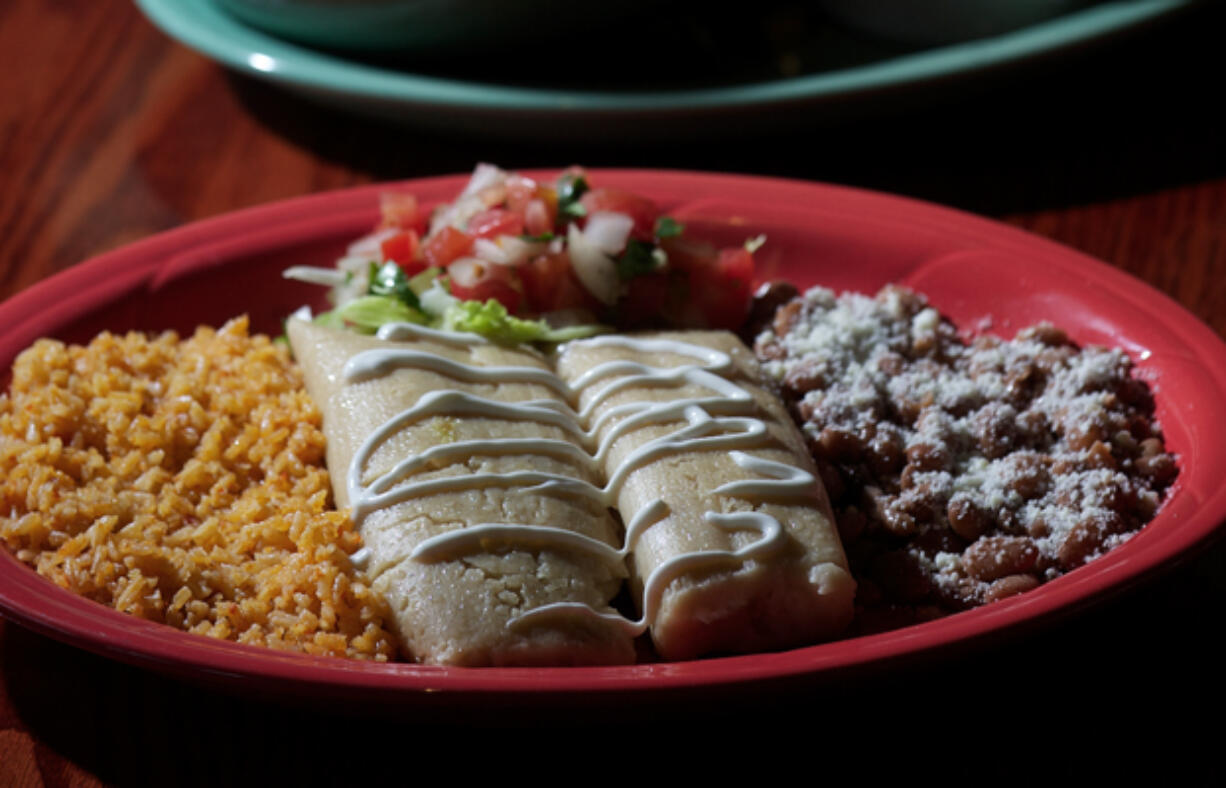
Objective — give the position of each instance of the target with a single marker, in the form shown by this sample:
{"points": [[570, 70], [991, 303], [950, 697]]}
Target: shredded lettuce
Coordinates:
{"points": [[329, 319], [437, 298], [367, 313], [423, 281], [492, 321]]}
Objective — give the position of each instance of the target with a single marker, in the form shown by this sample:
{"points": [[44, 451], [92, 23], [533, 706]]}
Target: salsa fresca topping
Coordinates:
{"points": [[513, 254]]}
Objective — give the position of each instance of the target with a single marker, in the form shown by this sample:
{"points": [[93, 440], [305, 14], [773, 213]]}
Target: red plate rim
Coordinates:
{"points": [[34, 602]]}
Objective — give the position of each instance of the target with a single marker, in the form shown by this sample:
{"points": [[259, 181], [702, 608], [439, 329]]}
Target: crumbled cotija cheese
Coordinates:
{"points": [[961, 473]]}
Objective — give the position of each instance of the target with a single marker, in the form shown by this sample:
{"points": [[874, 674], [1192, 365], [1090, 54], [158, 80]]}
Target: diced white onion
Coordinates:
{"points": [[357, 271], [490, 251], [507, 249], [518, 250], [457, 213], [368, 245], [595, 269], [328, 277], [485, 181], [436, 299], [608, 231], [468, 271], [484, 176], [357, 264]]}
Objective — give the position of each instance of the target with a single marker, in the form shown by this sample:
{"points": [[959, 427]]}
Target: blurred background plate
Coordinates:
{"points": [[672, 74], [425, 25]]}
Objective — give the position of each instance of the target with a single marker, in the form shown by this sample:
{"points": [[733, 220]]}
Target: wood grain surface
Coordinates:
{"points": [[110, 131]]}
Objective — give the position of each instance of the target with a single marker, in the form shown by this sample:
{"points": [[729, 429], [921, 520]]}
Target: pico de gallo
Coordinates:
{"points": [[519, 259]]}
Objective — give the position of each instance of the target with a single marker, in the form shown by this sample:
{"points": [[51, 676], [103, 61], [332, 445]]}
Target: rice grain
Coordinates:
{"points": [[183, 482]]}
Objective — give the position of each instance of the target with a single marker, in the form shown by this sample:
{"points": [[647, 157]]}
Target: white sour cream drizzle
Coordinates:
{"points": [[722, 421]]}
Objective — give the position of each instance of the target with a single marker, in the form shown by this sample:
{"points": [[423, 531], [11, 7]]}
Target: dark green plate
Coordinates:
{"points": [[781, 64]]}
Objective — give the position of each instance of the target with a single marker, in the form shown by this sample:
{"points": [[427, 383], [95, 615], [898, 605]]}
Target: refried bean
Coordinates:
{"points": [[962, 473]]}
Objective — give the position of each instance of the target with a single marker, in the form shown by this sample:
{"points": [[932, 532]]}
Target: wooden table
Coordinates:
{"points": [[109, 132]]}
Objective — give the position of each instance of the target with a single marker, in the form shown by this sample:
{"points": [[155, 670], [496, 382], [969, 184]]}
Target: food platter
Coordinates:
{"points": [[850, 71], [983, 275]]}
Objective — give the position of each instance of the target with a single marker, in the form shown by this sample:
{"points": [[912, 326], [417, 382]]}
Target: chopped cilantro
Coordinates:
{"points": [[571, 187], [668, 227], [639, 258], [538, 239], [389, 280]]}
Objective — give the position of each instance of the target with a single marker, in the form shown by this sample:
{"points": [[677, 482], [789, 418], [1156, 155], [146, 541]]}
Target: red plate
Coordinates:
{"points": [[977, 272]]}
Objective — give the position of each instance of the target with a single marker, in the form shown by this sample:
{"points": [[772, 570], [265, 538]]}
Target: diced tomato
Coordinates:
{"points": [[728, 298], [446, 245], [405, 250], [537, 204], [493, 195], [642, 210], [719, 281], [735, 264], [702, 286], [688, 254], [519, 191], [549, 196], [476, 280], [538, 218], [494, 222], [398, 209], [647, 299], [550, 285]]}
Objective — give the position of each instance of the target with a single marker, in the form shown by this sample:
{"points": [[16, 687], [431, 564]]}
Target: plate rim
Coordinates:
{"points": [[105, 631]]}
